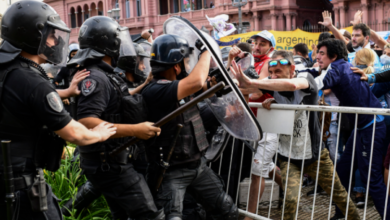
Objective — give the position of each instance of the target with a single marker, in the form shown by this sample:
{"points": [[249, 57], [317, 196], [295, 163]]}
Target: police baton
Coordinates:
{"points": [[165, 164], [8, 178], [206, 94]]}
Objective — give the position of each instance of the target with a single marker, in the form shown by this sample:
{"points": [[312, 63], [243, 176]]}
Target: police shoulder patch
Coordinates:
{"points": [[88, 86], [55, 101], [164, 81]]}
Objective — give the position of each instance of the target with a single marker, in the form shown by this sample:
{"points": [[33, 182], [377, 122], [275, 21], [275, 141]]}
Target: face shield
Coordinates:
{"points": [[146, 60], [54, 43], [177, 28], [126, 48]]}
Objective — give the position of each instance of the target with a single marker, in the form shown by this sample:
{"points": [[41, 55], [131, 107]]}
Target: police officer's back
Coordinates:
{"points": [[31, 109]]}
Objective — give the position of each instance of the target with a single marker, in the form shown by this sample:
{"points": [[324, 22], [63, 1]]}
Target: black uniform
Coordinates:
{"points": [[125, 190], [28, 104], [188, 170]]}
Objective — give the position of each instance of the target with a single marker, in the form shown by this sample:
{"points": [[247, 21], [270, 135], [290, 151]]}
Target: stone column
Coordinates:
{"points": [[82, 16], [273, 22], [70, 20], [336, 17], [294, 21], [97, 11], [365, 13], [343, 9], [288, 21], [281, 23], [255, 21], [89, 12], [77, 22]]}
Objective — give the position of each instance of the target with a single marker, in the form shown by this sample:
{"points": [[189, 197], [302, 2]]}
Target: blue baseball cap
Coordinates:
{"points": [[266, 35]]}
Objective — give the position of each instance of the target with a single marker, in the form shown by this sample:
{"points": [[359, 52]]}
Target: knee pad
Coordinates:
{"points": [[175, 218], [227, 207]]}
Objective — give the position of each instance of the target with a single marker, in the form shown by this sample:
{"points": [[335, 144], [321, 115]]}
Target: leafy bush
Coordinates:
{"points": [[65, 183]]}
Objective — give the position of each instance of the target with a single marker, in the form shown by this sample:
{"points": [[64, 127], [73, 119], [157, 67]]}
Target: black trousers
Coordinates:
{"points": [[201, 182], [22, 206], [125, 191]]}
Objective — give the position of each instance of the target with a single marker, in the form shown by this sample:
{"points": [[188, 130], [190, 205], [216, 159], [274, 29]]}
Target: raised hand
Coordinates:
{"points": [[357, 19], [242, 80], [234, 52], [327, 16]]}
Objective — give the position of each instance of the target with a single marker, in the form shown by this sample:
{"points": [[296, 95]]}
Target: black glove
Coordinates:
{"points": [[251, 72], [200, 46]]}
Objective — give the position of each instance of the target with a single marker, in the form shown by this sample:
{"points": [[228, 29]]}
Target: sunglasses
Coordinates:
{"points": [[283, 62]]}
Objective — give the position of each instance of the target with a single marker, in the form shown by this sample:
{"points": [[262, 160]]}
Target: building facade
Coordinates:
{"points": [[139, 15], [375, 13]]}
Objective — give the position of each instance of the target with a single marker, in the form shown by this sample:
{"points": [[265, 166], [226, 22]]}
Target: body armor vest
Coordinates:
{"points": [[43, 146], [192, 138], [122, 91]]}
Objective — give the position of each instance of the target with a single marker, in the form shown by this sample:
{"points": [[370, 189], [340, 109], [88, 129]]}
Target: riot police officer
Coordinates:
{"points": [[31, 109], [134, 70], [187, 172], [102, 97]]}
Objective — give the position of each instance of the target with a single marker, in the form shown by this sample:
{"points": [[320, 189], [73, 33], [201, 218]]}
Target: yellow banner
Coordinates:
{"points": [[285, 40]]}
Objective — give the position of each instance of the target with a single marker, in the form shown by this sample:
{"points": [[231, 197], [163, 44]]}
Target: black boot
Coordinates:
{"points": [[86, 194]]}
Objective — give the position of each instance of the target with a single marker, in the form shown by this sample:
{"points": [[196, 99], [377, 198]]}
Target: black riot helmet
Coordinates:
{"points": [[135, 64], [102, 34], [168, 50], [37, 29]]}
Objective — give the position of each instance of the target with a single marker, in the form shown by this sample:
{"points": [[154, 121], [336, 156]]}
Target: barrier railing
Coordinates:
{"points": [[324, 210]]}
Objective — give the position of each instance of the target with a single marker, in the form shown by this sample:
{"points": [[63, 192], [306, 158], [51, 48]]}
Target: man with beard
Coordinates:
{"points": [[360, 36]]}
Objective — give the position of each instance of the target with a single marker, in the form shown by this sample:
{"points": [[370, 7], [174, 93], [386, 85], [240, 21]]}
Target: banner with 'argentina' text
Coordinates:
{"points": [[285, 40]]}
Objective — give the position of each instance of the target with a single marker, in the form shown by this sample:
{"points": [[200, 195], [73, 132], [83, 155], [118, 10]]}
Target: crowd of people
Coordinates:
{"points": [[105, 89]]}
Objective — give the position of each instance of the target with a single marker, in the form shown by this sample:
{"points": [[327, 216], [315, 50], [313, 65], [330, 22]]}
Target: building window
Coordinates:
{"points": [[73, 20], [175, 6], [139, 8], [127, 9]]}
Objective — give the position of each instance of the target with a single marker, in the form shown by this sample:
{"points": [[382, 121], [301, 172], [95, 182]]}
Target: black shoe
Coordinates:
{"points": [[360, 202], [338, 217], [307, 181], [319, 191]]}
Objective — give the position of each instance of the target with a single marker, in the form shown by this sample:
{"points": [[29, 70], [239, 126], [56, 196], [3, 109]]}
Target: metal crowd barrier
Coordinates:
{"points": [[243, 209]]}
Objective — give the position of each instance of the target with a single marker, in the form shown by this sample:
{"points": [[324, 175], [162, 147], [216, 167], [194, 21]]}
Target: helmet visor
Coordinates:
{"points": [[127, 47], [54, 45]]}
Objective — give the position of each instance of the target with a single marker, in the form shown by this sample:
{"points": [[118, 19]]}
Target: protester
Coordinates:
{"points": [[302, 89], [337, 75], [360, 36], [301, 55], [313, 53]]}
